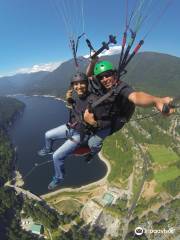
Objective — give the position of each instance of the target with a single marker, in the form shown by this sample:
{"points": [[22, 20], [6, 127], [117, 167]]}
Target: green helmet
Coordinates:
{"points": [[103, 66]]}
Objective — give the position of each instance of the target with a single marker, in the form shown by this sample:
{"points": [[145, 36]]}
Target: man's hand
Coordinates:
{"points": [[94, 59], [143, 99], [160, 102], [89, 118]]}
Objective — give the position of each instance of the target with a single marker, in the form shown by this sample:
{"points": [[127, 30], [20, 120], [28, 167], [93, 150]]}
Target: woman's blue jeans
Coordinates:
{"points": [[72, 142]]}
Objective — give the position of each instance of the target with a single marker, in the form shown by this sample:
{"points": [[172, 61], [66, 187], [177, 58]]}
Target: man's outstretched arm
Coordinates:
{"points": [[143, 99]]}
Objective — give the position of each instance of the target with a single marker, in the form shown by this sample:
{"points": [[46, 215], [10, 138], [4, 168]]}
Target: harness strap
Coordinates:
{"points": [[115, 91], [71, 125], [101, 99], [70, 137]]}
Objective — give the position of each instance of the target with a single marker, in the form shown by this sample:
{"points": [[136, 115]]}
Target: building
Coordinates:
{"points": [[107, 199], [37, 229]]}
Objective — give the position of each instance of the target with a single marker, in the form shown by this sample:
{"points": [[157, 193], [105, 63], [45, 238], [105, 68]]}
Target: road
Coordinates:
{"points": [[131, 209]]}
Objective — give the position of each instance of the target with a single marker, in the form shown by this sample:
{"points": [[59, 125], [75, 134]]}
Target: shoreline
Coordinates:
{"points": [[35, 95], [50, 96], [84, 187], [19, 182]]}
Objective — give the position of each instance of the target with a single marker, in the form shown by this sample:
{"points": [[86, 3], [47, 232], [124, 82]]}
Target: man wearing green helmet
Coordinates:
{"points": [[116, 110], [103, 66]]}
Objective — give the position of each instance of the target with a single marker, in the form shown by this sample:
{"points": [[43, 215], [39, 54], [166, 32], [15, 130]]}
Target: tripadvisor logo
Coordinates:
{"points": [[139, 231]]}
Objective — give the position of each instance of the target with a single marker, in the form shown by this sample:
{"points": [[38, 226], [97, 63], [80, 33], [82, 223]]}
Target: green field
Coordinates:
{"points": [[68, 206], [166, 174], [117, 150], [162, 155]]}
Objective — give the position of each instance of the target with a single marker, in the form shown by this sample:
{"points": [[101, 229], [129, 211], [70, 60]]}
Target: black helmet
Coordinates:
{"points": [[80, 76]]}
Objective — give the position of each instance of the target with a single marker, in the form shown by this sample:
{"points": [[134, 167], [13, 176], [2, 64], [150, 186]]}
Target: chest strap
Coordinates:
{"points": [[114, 91]]}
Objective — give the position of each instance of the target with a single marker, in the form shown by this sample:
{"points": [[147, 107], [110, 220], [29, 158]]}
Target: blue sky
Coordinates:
{"points": [[33, 31]]}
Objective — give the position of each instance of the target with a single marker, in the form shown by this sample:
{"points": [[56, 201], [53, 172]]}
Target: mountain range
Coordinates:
{"points": [[19, 83], [156, 73]]}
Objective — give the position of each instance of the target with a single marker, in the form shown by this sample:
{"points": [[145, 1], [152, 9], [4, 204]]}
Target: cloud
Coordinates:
{"points": [[39, 67], [112, 50]]}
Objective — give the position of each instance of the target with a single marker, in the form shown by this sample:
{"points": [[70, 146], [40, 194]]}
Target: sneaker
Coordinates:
{"points": [[54, 183], [43, 152]]}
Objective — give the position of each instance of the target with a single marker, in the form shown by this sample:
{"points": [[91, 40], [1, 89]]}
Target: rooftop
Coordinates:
{"points": [[107, 199], [36, 228]]}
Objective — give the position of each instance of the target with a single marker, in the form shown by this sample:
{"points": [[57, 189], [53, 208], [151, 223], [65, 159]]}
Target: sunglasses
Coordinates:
{"points": [[106, 75]]}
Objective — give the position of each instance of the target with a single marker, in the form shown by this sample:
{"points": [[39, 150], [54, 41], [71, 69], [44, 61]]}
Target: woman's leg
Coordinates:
{"points": [[61, 153], [54, 134], [59, 156]]}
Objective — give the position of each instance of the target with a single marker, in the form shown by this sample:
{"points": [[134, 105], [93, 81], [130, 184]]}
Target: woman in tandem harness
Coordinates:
{"points": [[76, 132]]}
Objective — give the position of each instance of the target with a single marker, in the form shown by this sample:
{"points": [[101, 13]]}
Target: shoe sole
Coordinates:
{"points": [[49, 188], [45, 154]]}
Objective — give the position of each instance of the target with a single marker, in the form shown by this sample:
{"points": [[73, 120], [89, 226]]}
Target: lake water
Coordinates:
{"points": [[27, 133]]}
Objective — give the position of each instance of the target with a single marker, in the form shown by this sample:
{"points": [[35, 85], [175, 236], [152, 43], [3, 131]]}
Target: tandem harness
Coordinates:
{"points": [[118, 115], [79, 125]]}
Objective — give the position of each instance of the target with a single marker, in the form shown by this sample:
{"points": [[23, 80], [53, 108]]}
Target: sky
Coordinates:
{"points": [[35, 33]]}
